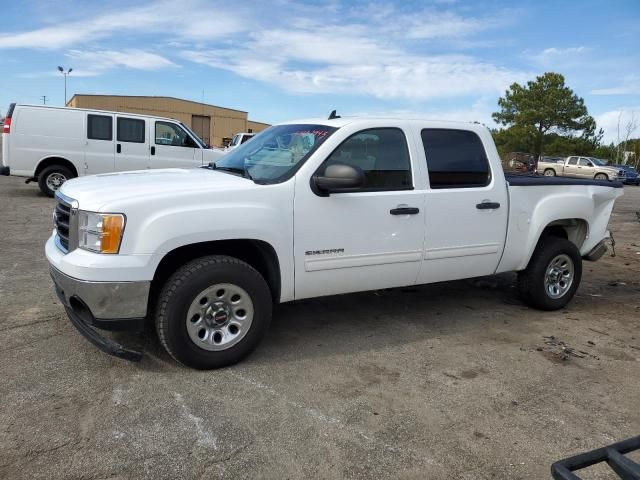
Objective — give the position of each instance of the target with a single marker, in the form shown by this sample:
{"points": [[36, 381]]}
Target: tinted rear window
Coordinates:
{"points": [[130, 130], [99, 127], [455, 158]]}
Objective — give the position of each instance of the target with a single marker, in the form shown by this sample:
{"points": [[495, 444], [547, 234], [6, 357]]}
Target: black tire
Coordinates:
{"points": [[549, 172], [531, 281], [49, 171], [601, 176], [181, 290]]}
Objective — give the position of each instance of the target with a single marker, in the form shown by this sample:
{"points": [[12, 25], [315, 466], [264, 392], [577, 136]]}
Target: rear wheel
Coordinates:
{"points": [[213, 312], [549, 172], [52, 178], [601, 176], [553, 275]]}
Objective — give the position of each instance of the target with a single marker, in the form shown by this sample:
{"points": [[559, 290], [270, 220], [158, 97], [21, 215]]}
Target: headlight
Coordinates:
{"points": [[100, 232]]}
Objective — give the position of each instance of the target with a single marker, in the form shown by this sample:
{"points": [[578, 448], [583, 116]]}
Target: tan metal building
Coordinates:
{"points": [[212, 123]]}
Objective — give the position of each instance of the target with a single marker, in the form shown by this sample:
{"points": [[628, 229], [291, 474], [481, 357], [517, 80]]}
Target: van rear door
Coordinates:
{"points": [[132, 143], [99, 148]]}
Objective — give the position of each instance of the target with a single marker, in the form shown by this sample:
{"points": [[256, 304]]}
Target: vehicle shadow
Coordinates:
{"points": [[342, 324], [365, 321]]}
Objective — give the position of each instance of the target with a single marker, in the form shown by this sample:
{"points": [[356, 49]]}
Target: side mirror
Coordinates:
{"points": [[338, 178]]}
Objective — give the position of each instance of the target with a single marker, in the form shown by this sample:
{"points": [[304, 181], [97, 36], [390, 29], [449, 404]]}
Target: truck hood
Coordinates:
{"points": [[94, 192]]}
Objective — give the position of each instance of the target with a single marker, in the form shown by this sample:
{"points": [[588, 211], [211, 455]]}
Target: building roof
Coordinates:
{"points": [[152, 96]]}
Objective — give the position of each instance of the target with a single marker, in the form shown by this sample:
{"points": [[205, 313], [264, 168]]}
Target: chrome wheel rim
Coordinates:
{"points": [[55, 180], [549, 173], [219, 317], [559, 276]]}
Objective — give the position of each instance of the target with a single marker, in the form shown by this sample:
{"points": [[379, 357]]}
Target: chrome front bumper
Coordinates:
{"points": [[104, 300]]}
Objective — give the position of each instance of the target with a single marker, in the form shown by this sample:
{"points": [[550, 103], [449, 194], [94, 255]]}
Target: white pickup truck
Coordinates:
{"points": [[306, 209]]}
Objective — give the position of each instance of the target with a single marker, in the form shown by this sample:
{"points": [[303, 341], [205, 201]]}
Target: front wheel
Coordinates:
{"points": [[549, 172], [213, 312], [601, 176], [553, 275], [52, 178]]}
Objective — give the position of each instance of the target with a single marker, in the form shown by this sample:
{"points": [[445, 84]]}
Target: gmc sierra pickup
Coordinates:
{"points": [[312, 208]]}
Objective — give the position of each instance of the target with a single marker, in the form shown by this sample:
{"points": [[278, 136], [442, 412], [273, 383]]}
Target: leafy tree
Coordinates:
{"points": [[546, 106]]}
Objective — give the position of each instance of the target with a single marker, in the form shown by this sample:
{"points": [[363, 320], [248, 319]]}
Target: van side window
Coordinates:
{"points": [[130, 130], [171, 134], [99, 127], [455, 158], [381, 153]]}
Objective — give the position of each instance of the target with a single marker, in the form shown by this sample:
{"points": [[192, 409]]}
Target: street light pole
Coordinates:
{"points": [[65, 74]]}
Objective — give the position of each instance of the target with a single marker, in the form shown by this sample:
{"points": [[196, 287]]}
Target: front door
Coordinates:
{"points": [[466, 207], [366, 239], [585, 168], [132, 144], [99, 147], [173, 147]]}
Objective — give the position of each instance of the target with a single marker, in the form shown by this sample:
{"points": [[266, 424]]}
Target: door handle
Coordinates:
{"points": [[153, 150], [118, 148], [487, 205], [404, 211]]}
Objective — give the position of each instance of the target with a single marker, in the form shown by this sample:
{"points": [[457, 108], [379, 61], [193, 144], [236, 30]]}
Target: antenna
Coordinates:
{"points": [[333, 115]]}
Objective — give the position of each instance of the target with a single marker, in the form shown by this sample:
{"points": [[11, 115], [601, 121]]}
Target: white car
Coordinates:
{"points": [[312, 208], [238, 139], [52, 145]]}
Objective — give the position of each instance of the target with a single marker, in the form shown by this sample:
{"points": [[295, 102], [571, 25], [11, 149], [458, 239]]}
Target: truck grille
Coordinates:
{"points": [[61, 219]]}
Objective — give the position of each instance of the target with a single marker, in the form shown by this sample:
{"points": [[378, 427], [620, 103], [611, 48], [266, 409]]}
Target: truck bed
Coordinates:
{"points": [[541, 180]]}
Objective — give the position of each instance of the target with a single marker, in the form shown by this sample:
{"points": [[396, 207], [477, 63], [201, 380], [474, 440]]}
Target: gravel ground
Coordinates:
{"points": [[454, 380]]}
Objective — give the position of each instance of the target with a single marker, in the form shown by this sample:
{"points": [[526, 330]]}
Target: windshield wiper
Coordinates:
{"points": [[234, 170]]}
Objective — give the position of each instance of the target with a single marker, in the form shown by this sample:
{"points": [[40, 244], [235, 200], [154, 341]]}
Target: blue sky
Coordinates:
{"points": [[281, 59]]}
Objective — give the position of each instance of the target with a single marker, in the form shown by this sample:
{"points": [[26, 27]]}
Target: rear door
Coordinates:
{"points": [[173, 147], [132, 144], [571, 167], [99, 151], [466, 207]]}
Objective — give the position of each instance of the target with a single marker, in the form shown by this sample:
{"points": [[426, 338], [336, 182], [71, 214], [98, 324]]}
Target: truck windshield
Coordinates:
{"points": [[275, 154], [598, 162]]}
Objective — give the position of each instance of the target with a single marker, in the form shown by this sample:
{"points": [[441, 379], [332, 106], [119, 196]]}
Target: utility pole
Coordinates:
{"points": [[44, 99], [65, 74]]}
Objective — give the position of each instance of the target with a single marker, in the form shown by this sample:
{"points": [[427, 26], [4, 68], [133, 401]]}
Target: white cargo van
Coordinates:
{"points": [[53, 144]]}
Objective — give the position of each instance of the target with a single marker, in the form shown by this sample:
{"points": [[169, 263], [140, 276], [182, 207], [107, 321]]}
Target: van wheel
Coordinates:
{"points": [[553, 275], [52, 178], [213, 312], [549, 172], [601, 176]]}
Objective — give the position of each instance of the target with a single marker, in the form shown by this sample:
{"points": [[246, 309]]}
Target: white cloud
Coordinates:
{"points": [[352, 59], [192, 20], [362, 49], [100, 60], [559, 58], [630, 86], [614, 122]]}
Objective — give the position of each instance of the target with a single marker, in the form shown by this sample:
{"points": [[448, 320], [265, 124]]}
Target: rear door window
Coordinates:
{"points": [[99, 127], [130, 130], [455, 159]]}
